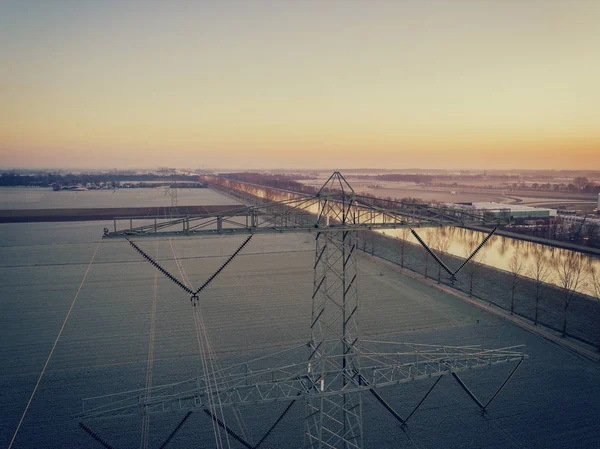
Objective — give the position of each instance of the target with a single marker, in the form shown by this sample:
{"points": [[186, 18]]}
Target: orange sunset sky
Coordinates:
{"points": [[304, 84]]}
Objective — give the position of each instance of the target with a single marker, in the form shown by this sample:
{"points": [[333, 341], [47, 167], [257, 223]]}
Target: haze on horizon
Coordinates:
{"points": [[300, 84]]}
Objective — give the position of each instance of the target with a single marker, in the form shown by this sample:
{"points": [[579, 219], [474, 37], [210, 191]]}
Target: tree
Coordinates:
{"points": [[516, 267], [540, 272], [442, 243], [594, 277], [592, 231], [581, 181], [426, 253], [472, 267], [570, 271], [372, 243], [403, 235]]}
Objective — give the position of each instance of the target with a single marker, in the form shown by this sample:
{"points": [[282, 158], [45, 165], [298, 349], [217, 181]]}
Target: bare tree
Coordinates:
{"points": [[404, 233], [472, 267], [570, 271], [372, 243], [425, 252], [592, 231], [516, 268], [540, 272], [442, 243], [594, 277]]}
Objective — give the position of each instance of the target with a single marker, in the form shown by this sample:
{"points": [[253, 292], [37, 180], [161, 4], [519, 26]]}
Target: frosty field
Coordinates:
{"points": [[260, 304]]}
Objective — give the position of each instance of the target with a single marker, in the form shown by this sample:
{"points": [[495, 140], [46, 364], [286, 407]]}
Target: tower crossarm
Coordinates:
{"points": [[296, 215], [437, 212], [238, 386]]}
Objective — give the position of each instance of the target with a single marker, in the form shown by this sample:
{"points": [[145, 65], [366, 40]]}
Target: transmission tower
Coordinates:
{"points": [[172, 192], [339, 368], [334, 338]]}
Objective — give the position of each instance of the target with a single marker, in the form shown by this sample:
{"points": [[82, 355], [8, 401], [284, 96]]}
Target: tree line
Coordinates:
{"points": [[47, 179]]}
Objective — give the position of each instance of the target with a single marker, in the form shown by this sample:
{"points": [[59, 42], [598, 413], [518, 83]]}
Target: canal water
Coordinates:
{"points": [[499, 250]]}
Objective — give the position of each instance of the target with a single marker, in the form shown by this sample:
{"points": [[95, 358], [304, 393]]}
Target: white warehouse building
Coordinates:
{"points": [[514, 210]]}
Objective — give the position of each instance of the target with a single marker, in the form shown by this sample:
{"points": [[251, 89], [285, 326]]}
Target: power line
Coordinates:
{"points": [[54, 346]]}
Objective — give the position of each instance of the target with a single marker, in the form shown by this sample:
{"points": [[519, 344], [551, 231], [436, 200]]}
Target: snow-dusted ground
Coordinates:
{"points": [[259, 304]]}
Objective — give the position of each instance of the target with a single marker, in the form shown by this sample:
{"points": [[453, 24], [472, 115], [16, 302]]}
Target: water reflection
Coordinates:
{"points": [[498, 251]]}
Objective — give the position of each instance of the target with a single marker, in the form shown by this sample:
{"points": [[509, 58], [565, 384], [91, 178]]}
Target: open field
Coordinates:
{"points": [[45, 198], [585, 202], [260, 304]]}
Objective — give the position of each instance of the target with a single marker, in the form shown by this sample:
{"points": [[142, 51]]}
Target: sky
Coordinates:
{"points": [[300, 84]]}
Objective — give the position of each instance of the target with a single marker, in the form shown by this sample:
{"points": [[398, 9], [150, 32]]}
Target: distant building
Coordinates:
{"points": [[514, 210], [568, 212]]}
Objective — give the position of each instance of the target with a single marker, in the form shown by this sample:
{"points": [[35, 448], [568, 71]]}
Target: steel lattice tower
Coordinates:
{"points": [[338, 368], [335, 420]]}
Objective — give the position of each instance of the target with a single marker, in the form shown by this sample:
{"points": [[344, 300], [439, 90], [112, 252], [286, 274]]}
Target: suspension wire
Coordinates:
{"points": [[211, 353], [206, 357], [54, 345], [499, 428], [160, 268], [209, 386], [95, 436], [211, 372], [145, 437], [412, 438], [211, 405], [172, 434], [211, 357], [207, 354], [240, 420]]}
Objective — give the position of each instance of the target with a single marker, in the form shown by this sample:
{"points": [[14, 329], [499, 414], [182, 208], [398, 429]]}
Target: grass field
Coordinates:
{"points": [[261, 303]]}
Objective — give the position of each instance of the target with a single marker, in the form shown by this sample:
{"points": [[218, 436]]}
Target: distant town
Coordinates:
{"points": [[81, 181]]}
